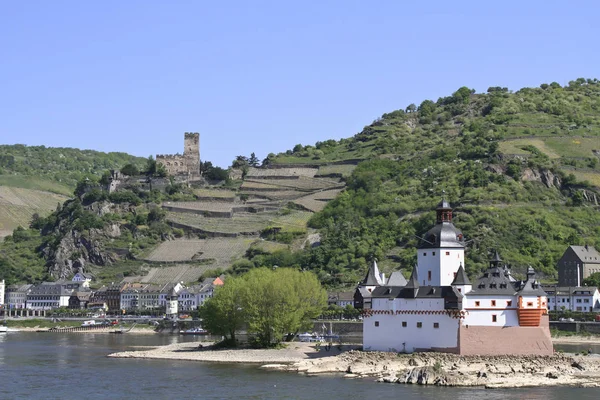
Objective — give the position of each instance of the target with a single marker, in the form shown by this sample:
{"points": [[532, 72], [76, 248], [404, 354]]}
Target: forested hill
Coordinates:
{"points": [[56, 169], [521, 169], [34, 179]]}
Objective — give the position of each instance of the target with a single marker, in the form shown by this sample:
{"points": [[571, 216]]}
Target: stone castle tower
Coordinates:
{"points": [[186, 164]]}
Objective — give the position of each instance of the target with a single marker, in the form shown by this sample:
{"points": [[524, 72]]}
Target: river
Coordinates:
{"points": [[71, 366]]}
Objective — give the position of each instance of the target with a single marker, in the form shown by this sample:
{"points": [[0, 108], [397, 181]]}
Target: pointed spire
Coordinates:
{"points": [[373, 277], [496, 260], [461, 277], [413, 282], [530, 273]]}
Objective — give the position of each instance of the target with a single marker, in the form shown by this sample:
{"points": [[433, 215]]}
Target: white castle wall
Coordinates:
{"points": [[441, 262], [384, 332], [481, 315]]}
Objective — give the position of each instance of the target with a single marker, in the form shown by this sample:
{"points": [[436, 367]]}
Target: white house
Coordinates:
{"points": [[439, 310], [580, 298], [16, 295]]}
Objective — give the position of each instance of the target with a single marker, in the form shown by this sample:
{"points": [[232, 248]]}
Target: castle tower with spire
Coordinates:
{"points": [[441, 250]]}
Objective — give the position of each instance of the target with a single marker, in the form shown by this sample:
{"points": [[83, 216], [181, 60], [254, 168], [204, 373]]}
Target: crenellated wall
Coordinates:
{"points": [[189, 162]]}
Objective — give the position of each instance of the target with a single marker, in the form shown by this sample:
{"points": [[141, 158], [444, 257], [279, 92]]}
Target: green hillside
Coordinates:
{"points": [[521, 169], [56, 169], [34, 179]]}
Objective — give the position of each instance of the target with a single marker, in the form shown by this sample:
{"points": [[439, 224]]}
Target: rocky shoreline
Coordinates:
{"points": [[419, 368], [452, 370]]}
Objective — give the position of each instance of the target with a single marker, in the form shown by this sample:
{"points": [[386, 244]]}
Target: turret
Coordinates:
{"points": [[441, 250], [461, 281]]}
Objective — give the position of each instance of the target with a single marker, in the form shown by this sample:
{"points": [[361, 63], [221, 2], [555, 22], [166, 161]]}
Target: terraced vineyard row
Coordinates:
{"points": [[344, 170], [302, 184], [201, 205], [241, 223], [317, 201], [214, 193], [221, 250], [281, 172]]}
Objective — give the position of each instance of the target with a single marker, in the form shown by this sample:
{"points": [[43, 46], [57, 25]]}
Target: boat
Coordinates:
{"points": [[310, 337], [194, 331], [3, 329]]}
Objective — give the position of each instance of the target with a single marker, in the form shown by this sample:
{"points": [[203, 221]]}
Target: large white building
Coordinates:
{"points": [[439, 309], [580, 298]]}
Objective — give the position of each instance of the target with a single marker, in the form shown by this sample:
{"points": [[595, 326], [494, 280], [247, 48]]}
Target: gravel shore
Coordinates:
{"points": [[292, 353]]}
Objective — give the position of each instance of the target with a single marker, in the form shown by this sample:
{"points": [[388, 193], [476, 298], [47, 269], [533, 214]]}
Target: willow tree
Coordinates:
{"points": [[276, 303]]}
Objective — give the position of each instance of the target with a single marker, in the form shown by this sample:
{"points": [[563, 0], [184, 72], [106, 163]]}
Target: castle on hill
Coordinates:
{"points": [[439, 309], [186, 164]]}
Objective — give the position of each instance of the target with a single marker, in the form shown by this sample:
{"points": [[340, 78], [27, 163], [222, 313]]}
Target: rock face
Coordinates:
{"points": [[75, 250], [544, 176]]}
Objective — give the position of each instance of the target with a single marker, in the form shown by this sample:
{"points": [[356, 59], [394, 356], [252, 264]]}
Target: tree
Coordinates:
{"points": [[240, 161], [280, 302], [253, 160], [411, 108], [223, 313], [593, 280], [130, 170]]}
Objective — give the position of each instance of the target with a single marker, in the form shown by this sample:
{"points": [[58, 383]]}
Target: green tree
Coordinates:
{"points": [[223, 313], [592, 280], [280, 302], [253, 160], [130, 169]]}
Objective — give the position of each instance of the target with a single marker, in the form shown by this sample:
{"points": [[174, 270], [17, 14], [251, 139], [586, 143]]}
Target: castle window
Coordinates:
{"points": [[529, 304], [447, 253], [493, 303], [428, 275], [424, 254], [509, 303], [433, 253], [436, 325], [477, 304], [404, 324], [494, 318], [419, 324], [376, 323], [459, 290]]}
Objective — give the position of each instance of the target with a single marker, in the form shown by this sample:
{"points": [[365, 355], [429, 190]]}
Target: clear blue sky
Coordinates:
{"points": [[262, 76]]}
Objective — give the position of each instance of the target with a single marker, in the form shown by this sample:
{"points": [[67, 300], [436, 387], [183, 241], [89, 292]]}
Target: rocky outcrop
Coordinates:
{"points": [[76, 250], [544, 176], [452, 370]]}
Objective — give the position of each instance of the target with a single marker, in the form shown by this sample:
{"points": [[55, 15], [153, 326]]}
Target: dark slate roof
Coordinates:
{"points": [[396, 279], [372, 278], [531, 287], [494, 281], [424, 292], [586, 254], [569, 291], [496, 258], [461, 277], [413, 282], [443, 234]]}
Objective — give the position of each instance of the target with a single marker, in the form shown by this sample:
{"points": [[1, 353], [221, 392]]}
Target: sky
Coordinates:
{"points": [[262, 76]]}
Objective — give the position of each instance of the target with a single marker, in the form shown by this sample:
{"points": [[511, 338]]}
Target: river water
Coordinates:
{"points": [[73, 366]]}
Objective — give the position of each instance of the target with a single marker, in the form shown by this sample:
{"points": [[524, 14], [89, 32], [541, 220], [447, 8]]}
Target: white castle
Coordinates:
{"points": [[438, 309]]}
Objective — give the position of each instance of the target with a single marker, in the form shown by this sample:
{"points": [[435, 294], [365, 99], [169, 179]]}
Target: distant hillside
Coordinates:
{"points": [[34, 179], [56, 169]]}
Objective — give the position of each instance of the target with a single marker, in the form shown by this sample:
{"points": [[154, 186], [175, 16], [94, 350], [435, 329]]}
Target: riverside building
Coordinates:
{"points": [[439, 309]]}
